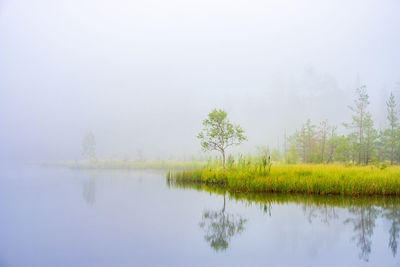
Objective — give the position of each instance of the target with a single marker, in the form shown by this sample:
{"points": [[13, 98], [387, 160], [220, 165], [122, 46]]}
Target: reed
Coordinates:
{"points": [[323, 179]]}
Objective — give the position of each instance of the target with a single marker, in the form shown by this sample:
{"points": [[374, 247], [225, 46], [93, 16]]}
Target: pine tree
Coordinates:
{"points": [[393, 119], [359, 117]]}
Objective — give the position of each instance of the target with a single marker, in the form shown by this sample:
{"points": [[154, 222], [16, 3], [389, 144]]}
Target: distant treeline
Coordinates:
{"points": [[364, 144]]}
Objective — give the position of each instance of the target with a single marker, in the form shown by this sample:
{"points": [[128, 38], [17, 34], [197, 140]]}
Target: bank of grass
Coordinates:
{"points": [[324, 179], [125, 164]]}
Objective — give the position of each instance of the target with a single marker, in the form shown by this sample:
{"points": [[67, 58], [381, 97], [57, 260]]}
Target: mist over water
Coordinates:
{"points": [[62, 217], [142, 75]]}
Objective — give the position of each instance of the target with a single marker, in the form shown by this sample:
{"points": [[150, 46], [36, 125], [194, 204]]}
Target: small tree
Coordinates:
{"points": [[323, 131], [393, 119], [89, 146], [219, 133], [332, 144], [360, 115], [305, 141], [341, 149], [371, 136]]}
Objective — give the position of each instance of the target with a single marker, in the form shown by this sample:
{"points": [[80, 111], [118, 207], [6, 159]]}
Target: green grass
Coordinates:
{"points": [[325, 179]]}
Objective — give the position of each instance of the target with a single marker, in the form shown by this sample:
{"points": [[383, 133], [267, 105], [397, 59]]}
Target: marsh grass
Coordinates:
{"points": [[335, 179]]}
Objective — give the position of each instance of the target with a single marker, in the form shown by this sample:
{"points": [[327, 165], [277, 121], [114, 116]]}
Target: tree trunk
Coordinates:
{"points": [[361, 148], [331, 151], [223, 209], [223, 159], [391, 156], [392, 146]]}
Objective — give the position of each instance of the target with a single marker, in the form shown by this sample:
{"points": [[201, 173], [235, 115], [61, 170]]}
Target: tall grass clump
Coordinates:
{"points": [[252, 174]]}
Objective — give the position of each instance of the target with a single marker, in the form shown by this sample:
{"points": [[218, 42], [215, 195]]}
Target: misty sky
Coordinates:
{"points": [[142, 75]]}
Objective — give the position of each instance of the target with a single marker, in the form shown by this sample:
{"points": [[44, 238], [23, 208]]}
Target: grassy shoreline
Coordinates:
{"points": [[332, 179]]}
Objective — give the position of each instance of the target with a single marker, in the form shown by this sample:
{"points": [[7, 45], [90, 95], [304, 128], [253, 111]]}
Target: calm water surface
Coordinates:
{"points": [[61, 217]]}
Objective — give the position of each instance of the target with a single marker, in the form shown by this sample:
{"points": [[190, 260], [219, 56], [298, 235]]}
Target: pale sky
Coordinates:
{"points": [[142, 75]]}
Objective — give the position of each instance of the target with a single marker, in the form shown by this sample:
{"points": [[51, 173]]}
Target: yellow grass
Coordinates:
{"points": [[307, 178]]}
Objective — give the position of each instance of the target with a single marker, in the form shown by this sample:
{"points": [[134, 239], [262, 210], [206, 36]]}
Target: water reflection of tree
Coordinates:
{"points": [[392, 214], [267, 208], [364, 211], [363, 227], [220, 227], [363, 223], [324, 212], [89, 190]]}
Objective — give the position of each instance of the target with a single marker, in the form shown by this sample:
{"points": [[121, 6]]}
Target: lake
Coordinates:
{"points": [[62, 217]]}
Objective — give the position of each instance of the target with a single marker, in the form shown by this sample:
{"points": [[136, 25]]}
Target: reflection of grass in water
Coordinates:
{"points": [[284, 198], [363, 210], [115, 164], [313, 179]]}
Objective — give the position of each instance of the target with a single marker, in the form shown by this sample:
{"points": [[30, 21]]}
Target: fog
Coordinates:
{"points": [[142, 75]]}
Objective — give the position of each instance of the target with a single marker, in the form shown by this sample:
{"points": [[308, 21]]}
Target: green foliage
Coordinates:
{"points": [[276, 155], [343, 148], [393, 133], [383, 166], [219, 133], [392, 112], [362, 127], [292, 156], [363, 145]]}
